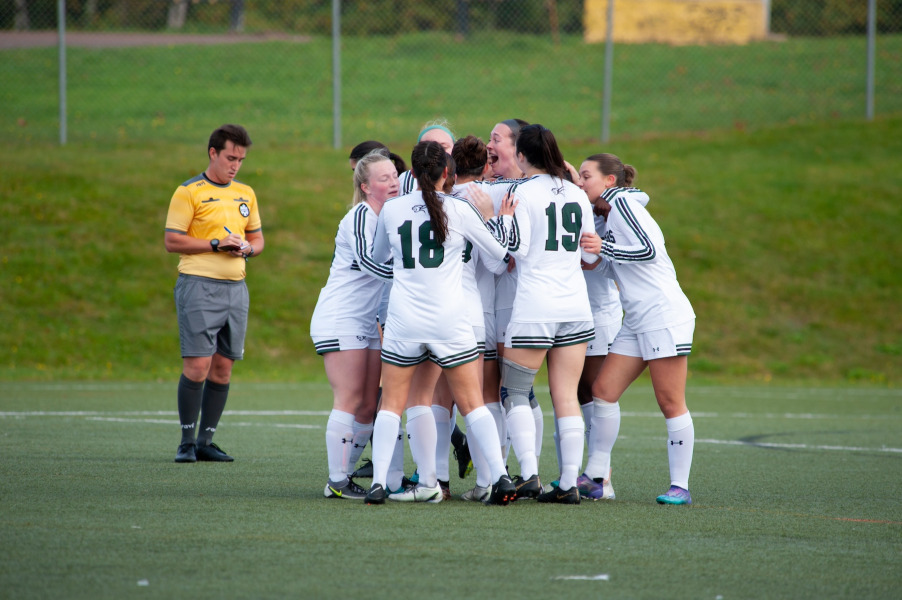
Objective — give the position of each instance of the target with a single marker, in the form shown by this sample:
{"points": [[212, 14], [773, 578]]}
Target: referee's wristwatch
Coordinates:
{"points": [[215, 245]]}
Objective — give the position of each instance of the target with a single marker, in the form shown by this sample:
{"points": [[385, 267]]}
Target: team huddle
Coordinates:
{"points": [[453, 282]]}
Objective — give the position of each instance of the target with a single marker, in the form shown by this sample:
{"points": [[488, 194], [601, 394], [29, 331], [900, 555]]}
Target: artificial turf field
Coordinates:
{"points": [[796, 495]]}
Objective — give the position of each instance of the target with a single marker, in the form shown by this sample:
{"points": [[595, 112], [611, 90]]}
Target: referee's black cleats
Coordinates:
{"points": [[376, 495], [186, 453], [503, 492], [212, 453], [528, 488]]}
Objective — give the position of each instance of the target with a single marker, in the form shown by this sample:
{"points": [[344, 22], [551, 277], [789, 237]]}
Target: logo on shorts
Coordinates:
{"points": [[361, 338], [244, 210]]}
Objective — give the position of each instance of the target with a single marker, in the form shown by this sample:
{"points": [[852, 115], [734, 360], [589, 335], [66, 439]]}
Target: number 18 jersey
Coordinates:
{"points": [[427, 301]]}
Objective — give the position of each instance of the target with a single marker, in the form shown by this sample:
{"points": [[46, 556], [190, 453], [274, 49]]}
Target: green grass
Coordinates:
{"points": [[283, 91], [795, 496], [784, 239]]}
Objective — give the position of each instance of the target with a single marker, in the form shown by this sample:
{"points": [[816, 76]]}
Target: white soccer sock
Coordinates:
{"points": [[522, 430], [605, 429], [339, 437], [680, 443], [481, 433], [396, 467], [362, 434], [443, 441], [500, 417], [385, 436], [483, 471], [571, 431], [422, 435], [539, 418], [588, 411]]}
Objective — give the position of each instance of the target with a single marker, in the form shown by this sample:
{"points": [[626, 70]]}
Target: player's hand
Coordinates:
{"points": [[511, 264], [508, 205], [590, 242], [602, 208], [481, 200]]}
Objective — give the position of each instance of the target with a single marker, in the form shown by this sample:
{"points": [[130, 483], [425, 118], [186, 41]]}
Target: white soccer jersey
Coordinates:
{"points": [[408, 183], [348, 303], [635, 256], [427, 300], [551, 216], [604, 298], [478, 274], [505, 281]]}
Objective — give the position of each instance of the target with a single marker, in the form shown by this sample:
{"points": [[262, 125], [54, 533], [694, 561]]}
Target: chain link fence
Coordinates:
{"points": [[172, 69]]}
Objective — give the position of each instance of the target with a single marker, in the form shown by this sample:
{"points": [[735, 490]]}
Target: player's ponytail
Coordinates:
{"points": [[428, 163]]}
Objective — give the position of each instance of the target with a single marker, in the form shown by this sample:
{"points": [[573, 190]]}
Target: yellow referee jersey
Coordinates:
{"points": [[203, 209]]}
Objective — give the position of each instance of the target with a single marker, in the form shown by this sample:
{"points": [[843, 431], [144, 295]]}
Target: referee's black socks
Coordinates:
{"points": [[214, 401], [190, 396]]}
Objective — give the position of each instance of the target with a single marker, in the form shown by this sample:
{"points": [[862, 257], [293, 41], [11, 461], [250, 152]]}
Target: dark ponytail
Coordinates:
{"points": [[610, 164], [428, 162], [540, 148]]}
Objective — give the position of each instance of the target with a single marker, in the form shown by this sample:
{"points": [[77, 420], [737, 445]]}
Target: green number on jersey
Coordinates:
{"points": [[431, 254], [571, 220]]}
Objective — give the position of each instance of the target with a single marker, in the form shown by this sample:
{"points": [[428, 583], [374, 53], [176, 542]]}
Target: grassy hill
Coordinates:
{"points": [[784, 239]]}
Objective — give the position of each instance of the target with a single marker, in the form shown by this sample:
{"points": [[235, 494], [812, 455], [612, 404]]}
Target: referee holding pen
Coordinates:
{"points": [[214, 225]]}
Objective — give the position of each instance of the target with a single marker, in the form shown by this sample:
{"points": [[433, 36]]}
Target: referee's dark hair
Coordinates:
{"points": [[540, 148], [229, 133]]}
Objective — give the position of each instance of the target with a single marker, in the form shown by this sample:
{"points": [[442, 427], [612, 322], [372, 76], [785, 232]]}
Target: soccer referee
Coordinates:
{"points": [[214, 225]]}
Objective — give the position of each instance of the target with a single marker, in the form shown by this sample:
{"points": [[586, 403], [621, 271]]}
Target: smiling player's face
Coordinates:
{"points": [[224, 164], [502, 153]]}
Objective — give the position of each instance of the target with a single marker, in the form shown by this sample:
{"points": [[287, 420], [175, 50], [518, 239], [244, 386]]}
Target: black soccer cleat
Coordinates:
{"points": [[503, 492], [528, 488], [558, 496], [186, 453], [461, 452], [365, 471], [212, 453], [376, 495]]}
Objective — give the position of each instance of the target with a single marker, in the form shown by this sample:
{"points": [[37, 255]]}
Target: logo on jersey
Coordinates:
{"points": [[420, 208], [558, 190], [244, 210], [609, 236]]}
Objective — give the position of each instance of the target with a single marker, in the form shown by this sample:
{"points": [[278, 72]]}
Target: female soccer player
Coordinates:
{"points": [[344, 324], [551, 313], [425, 233], [658, 321]]}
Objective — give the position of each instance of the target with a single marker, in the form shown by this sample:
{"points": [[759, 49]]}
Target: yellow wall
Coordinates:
{"points": [[677, 21]]}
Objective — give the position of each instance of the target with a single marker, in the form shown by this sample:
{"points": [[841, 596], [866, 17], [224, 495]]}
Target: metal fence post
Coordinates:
{"points": [[61, 28], [872, 34], [336, 74], [608, 75]]}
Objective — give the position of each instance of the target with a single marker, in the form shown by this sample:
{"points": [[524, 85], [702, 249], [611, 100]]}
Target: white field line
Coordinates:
{"points": [[231, 423], [800, 446], [325, 413], [134, 417], [599, 577]]}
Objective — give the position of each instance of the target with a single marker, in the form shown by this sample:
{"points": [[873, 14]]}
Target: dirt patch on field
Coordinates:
{"points": [[37, 39]]}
